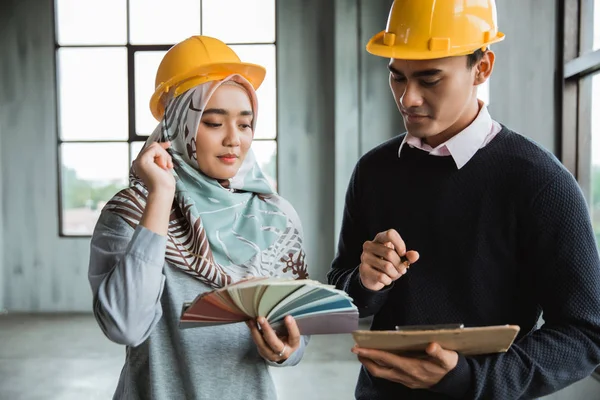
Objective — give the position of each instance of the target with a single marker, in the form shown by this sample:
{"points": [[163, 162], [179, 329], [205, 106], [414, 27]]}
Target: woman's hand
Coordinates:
{"points": [[270, 346], [153, 165]]}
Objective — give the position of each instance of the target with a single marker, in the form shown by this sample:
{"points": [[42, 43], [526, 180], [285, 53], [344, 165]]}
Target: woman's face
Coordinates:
{"points": [[225, 132]]}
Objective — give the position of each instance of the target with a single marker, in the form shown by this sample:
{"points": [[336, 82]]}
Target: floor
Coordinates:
{"points": [[66, 357]]}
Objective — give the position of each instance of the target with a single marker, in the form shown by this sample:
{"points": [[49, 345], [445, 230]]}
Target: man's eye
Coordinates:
{"points": [[430, 83]]}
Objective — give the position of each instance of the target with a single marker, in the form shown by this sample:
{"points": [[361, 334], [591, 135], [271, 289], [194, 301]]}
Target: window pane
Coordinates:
{"points": [[239, 21], [595, 192], [483, 92], [163, 22], [91, 174], [92, 86], [135, 149], [266, 156], [84, 22], [596, 24], [266, 127], [146, 64]]}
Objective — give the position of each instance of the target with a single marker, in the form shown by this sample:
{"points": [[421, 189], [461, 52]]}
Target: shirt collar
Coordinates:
{"points": [[463, 146]]}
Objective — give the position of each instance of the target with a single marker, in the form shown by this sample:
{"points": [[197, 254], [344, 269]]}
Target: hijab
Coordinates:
{"points": [[219, 232]]}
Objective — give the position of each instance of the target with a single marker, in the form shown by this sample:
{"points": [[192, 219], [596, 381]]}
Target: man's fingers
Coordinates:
{"points": [[410, 371], [384, 260], [379, 370], [390, 241], [375, 369], [372, 277], [412, 256], [446, 359], [382, 251], [382, 357], [384, 266], [394, 238]]}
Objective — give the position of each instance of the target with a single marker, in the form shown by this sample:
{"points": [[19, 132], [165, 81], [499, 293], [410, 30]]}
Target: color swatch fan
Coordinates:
{"points": [[317, 308]]}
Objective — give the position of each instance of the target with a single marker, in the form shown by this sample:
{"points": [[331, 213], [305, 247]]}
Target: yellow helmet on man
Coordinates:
{"points": [[428, 29]]}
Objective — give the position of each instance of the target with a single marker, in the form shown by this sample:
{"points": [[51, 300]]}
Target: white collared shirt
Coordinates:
{"points": [[463, 146]]}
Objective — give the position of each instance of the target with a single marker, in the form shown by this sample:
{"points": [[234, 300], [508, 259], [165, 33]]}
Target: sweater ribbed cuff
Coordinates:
{"points": [[366, 300], [457, 382]]}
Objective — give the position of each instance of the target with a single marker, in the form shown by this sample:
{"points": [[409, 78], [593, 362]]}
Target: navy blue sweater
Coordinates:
{"points": [[502, 239]]}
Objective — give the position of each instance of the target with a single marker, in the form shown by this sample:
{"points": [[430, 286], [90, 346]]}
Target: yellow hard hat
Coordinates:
{"points": [[427, 29], [196, 60]]}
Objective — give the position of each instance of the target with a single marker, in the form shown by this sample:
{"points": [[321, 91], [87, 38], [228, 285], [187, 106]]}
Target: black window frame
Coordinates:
{"points": [[133, 136], [576, 65]]}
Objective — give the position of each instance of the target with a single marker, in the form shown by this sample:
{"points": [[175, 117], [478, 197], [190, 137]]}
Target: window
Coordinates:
{"points": [[595, 130], [580, 134], [105, 78], [596, 14], [580, 96], [595, 156]]}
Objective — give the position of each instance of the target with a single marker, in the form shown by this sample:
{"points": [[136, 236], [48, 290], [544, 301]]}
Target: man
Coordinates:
{"points": [[500, 229]]}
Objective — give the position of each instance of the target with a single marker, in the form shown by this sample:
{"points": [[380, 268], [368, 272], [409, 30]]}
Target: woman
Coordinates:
{"points": [[199, 214]]}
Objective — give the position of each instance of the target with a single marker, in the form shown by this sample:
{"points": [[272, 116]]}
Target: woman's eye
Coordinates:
{"points": [[211, 124]]}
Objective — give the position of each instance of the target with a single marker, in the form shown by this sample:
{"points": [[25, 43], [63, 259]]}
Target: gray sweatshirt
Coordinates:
{"points": [[137, 303]]}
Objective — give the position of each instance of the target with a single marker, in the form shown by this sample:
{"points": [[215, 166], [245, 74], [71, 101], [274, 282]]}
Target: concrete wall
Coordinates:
{"points": [[41, 271], [334, 105], [522, 84]]}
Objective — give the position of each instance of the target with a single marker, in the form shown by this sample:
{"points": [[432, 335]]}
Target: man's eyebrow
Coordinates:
{"points": [[394, 70], [417, 74], [427, 72]]}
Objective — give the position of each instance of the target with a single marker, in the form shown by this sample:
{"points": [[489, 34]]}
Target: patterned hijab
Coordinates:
{"points": [[219, 232]]}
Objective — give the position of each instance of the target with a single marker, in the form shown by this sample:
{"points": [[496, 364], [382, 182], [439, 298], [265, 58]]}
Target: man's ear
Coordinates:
{"points": [[483, 69]]}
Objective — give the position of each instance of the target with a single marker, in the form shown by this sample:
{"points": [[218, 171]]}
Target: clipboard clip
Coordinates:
{"points": [[428, 327]]}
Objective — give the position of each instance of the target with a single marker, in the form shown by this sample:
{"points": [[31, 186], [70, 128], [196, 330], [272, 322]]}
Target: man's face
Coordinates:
{"points": [[438, 97]]}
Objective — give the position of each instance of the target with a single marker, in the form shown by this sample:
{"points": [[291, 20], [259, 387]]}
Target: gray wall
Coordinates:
{"points": [[305, 121], [334, 104], [522, 84], [2, 134], [41, 271]]}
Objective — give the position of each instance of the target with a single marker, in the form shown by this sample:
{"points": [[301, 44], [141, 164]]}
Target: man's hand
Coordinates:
{"points": [[415, 373], [384, 259]]}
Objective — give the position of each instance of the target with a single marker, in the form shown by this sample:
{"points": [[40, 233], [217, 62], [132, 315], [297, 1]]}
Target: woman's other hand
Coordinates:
{"points": [[272, 347]]}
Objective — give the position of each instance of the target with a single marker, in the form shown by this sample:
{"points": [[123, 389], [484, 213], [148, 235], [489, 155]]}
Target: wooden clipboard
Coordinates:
{"points": [[466, 341]]}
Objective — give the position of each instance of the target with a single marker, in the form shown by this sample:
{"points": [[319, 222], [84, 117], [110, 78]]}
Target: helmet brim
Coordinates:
{"points": [[253, 73], [377, 47]]}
